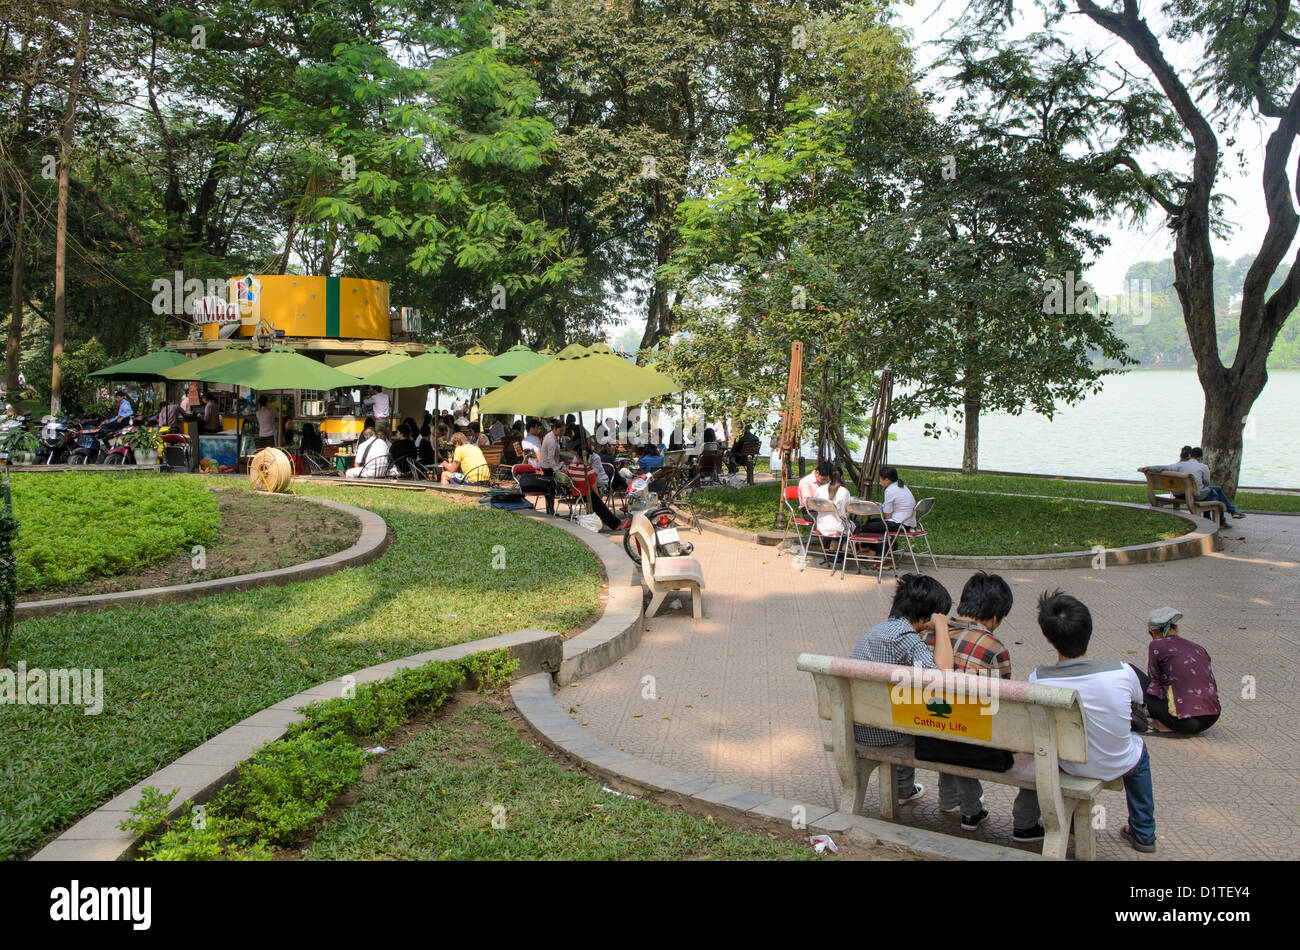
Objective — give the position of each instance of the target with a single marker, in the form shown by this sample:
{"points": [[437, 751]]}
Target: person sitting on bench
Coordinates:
{"points": [[1189, 463], [985, 602], [1210, 492], [1181, 695], [920, 604], [1107, 691]]}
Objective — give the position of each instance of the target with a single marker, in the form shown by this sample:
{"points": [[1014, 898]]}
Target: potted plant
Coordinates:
{"points": [[20, 446], [145, 442]]}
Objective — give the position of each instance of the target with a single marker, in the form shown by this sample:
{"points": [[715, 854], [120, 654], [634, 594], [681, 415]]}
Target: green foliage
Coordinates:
{"points": [[19, 440], [8, 573], [1162, 339], [491, 669], [444, 788], [287, 785], [378, 709], [976, 522], [80, 390], [79, 525]]}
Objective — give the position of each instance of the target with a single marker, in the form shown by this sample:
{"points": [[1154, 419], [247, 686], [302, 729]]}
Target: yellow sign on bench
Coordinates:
{"points": [[946, 716]]}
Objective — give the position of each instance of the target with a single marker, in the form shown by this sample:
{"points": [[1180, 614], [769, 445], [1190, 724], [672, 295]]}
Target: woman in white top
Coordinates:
{"points": [[898, 506], [834, 491]]}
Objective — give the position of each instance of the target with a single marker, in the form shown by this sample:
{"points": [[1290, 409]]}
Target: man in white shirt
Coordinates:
{"points": [[372, 455], [531, 443], [379, 406], [1189, 463], [550, 456], [1107, 693]]}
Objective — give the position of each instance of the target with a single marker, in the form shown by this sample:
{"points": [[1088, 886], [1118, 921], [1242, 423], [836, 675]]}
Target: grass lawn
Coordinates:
{"points": [[176, 675], [964, 523], [1066, 488], [257, 532], [434, 798], [77, 526]]}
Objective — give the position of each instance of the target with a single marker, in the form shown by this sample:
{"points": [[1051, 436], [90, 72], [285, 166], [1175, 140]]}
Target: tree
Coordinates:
{"points": [[759, 254], [1249, 70]]}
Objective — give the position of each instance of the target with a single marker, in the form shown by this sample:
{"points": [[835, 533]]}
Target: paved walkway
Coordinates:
{"points": [[732, 707]]}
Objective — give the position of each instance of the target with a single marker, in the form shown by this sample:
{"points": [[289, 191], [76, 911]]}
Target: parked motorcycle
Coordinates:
{"points": [[90, 447], [57, 442]]}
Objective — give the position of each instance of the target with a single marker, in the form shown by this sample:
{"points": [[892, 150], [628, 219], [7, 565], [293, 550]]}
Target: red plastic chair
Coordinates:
{"points": [[795, 519], [533, 491]]}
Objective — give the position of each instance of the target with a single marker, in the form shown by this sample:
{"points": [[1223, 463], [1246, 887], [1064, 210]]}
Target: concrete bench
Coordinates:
{"points": [[1041, 724], [1182, 490], [666, 575]]}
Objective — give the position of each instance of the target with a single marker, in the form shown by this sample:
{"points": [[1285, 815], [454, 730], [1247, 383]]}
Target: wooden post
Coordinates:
{"points": [[791, 422]]}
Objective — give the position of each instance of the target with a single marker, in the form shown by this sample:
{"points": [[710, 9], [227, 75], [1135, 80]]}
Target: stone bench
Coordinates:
{"points": [[1041, 724], [666, 575], [1182, 490]]}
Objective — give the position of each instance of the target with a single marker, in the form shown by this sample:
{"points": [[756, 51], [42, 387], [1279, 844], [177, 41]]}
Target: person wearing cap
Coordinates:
{"points": [[1181, 695]]}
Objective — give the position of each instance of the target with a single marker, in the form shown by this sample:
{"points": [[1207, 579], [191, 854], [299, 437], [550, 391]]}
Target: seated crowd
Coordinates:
{"points": [[1121, 703]]}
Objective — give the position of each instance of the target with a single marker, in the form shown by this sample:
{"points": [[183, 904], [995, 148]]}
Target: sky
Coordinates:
{"points": [[929, 20]]}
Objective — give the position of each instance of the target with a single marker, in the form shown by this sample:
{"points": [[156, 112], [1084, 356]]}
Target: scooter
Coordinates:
{"points": [[91, 447], [56, 442], [119, 450]]}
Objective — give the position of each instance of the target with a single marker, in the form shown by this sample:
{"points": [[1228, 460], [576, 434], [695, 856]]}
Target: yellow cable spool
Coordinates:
{"points": [[271, 471]]}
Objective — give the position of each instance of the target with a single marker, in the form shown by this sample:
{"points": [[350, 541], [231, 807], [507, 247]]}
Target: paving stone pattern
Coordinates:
{"points": [[730, 706]]}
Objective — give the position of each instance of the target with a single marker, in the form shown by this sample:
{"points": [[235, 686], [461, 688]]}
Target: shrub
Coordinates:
{"points": [[75, 526], [287, 785]]}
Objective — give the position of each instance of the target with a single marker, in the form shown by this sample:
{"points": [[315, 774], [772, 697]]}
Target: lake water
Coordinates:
{"points": [[1139, 418]]}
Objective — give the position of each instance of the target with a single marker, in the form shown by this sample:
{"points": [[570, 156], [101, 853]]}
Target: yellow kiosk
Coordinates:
{"points": [[342, 319]]}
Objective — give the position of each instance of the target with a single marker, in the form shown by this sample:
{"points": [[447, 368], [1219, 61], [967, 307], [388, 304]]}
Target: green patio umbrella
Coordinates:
{"points": [[144, 369], [436, 367], [515, 362], [373, 364], [187, 369], [546, 351], [575, 380], [475, 355], [279, 368]]}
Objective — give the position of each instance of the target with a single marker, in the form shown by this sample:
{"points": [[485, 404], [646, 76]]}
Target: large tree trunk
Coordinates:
{"points": [[1226, 407], [13, 347], [61, 229], [970, 453]]}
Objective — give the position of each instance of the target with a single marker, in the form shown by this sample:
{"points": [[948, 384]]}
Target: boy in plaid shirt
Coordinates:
{"points": [[985, 602]]}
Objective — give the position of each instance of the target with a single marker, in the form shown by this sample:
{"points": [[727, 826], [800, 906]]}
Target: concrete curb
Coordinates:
{"points": [[201, 772], [1198, 541], [535, 701], [618, 629], [372, 542]]}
